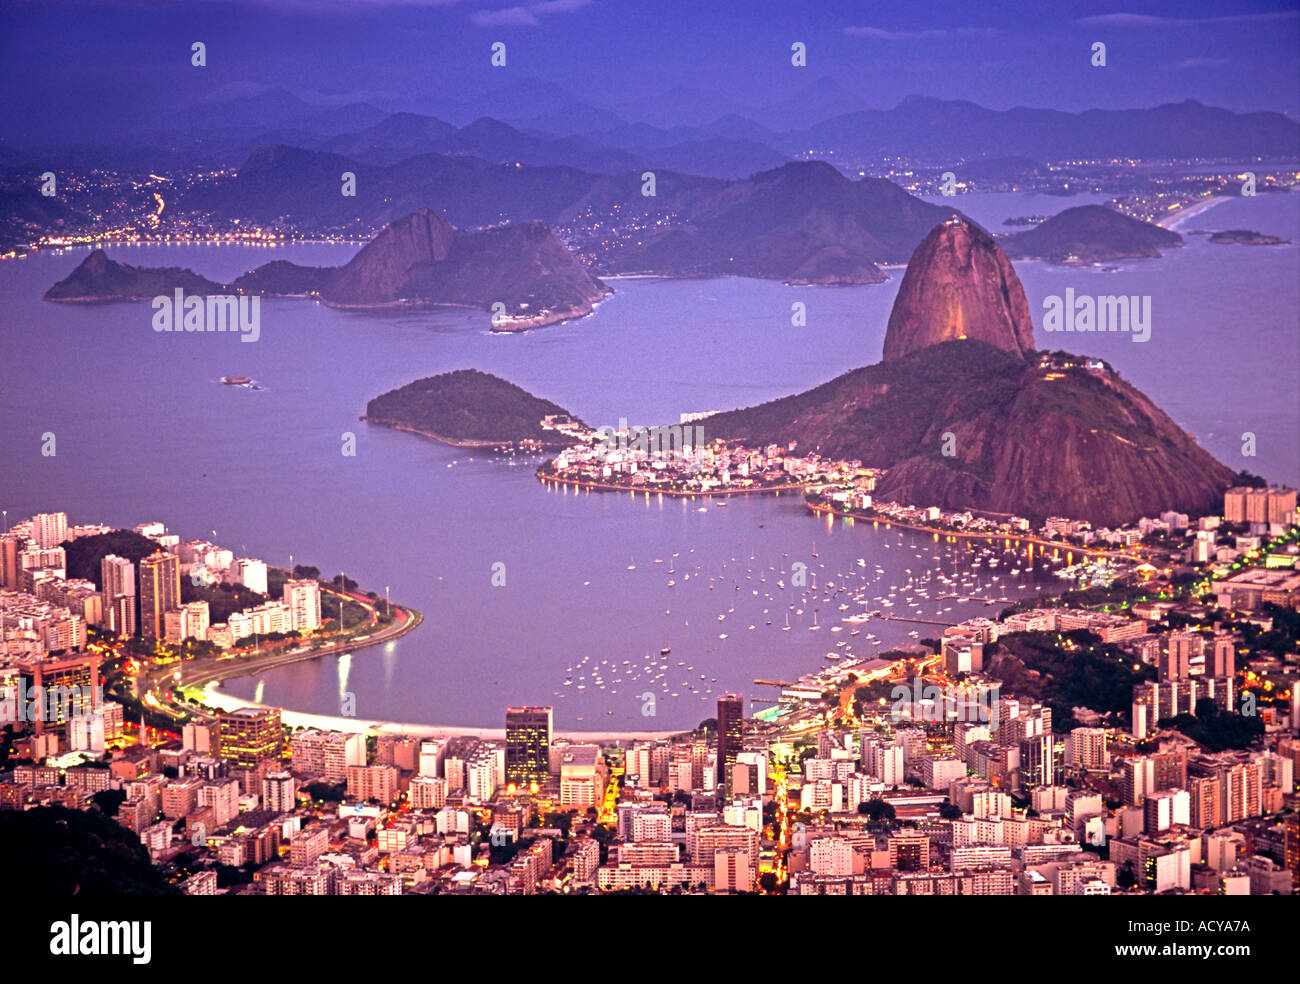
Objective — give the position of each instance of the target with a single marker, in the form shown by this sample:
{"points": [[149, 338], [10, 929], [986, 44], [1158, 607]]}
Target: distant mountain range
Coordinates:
{"points": [[964, 415], [804, 222], [419, 259], [537, 122]]}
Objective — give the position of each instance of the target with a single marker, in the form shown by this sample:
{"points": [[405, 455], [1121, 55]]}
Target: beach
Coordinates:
{"points": [[1176, 218]]}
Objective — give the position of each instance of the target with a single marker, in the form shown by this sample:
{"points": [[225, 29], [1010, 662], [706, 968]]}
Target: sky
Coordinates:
{"points": [[70, 65]]}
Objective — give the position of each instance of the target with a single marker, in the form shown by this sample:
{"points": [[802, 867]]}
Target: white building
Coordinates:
{"points": [[250, 573], [302, 598]]}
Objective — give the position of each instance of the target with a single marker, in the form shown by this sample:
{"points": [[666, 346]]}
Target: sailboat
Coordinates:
{"points": [[631, 565], [814, 627], [787, 622]]}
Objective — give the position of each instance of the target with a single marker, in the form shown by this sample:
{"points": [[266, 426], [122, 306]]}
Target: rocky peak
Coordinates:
{"points": [[959, 285]]}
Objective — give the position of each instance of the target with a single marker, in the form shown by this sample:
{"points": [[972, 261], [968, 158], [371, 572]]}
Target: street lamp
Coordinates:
{"points": [[388, 608]]}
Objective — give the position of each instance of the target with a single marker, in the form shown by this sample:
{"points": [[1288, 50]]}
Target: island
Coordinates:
{"points": [[1246, 237], [472, 409], [1088, 234]]}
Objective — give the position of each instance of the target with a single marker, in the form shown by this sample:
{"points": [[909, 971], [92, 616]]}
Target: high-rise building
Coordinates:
{"points": [[302, 598], [1275, 506], [251, 574], [1088, 748], [117, 575], [731, 735], [278, 791], [160, 591], [119, 615], [1223, 657], [1180, 647], [11, 547], [1205, 808], [528, 739], [249, 735], [49, 529], [1042, 761], [582, 777], [326, 753]]}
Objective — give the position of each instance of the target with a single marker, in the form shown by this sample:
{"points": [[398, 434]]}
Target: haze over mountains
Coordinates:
{"points": [[537, 122], [803, 221]]}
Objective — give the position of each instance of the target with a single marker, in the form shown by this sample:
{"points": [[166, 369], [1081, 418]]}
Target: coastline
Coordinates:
{"points": [[675, 493], [898, 524], [1176, 218], [223, 701], [217, 699], [453, 442]]}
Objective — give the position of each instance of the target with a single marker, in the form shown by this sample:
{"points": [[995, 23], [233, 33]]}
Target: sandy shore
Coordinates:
{"points": [[215, 698], [1174, 219]]}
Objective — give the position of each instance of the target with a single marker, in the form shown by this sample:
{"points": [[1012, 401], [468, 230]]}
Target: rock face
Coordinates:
{"points": [[1088, 234], [386, 269], [422, 259], [959, 285]]}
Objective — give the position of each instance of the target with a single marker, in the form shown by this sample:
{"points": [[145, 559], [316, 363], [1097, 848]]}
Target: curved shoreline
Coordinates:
{"points": [[1187, 212], [965, 535], [212, 677], [676, 493], [451, 441]]}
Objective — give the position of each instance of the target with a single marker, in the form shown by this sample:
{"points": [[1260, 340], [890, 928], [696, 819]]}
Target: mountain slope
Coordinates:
{"points": [[467, 407], [803, 222], [97, 278], [1026, 435], [419, 259], [1089, 233]]}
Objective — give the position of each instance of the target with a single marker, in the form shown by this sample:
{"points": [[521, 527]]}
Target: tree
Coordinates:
{"points": [[877, 810], [108, 800], [949, 811]]}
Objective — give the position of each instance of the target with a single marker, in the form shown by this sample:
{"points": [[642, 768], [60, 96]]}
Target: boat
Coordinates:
{"points": [[236, 380], [665, 651]]}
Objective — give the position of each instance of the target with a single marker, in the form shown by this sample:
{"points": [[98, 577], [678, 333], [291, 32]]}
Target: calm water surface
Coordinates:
{"points": [[144, 431]]}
